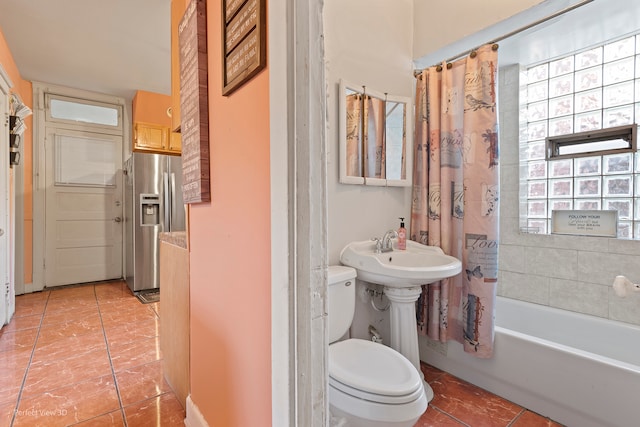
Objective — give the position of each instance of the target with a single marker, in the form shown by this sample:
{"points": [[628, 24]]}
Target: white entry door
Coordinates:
{"points": [[83, 230]]}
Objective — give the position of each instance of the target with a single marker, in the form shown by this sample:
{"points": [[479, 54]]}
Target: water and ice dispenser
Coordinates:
{"points": [[149, 209]]}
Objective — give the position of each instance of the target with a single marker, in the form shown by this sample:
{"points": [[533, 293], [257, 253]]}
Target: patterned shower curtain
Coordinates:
{"points": [[366, 139], [354, 126], [374, 137], [455, 196]]}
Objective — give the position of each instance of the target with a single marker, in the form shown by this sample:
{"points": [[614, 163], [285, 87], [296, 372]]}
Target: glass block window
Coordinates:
{"points": [[598, 88]]}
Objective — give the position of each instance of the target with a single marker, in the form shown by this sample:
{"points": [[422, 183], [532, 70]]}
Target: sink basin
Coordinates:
{"points": [[417, 265]]}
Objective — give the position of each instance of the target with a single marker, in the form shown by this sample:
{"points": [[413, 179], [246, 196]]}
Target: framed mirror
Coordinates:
{"points": [[375, 137]]}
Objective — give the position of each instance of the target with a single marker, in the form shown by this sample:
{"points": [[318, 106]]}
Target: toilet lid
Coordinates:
{"points": [[372, 368]]}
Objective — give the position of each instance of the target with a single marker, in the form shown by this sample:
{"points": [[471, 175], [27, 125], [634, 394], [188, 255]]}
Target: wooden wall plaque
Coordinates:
{"points": [[194, 104], [244, 42]]}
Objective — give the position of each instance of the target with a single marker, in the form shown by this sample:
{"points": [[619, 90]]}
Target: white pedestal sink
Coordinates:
{"points": [[402, 273]]}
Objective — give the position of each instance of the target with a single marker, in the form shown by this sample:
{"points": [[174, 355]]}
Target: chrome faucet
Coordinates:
{"points": [[378, 244], [386, 240]]}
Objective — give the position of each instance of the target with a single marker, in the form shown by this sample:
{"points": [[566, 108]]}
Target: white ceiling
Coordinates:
{"points": [[109, 46], [592, 23], [119, 46]]}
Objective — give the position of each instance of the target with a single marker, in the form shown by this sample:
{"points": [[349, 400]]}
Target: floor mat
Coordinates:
{"points": [[147, 297]]}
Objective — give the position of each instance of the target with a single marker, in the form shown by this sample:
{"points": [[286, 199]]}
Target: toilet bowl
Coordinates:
{"points": [[370, 384]]}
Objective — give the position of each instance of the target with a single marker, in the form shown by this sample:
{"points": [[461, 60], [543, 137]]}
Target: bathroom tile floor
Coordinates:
{"points": [[457, 403], [87, 356]]}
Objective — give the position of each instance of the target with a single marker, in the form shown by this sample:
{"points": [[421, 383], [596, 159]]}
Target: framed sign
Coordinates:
{"points": [[585, 222], [244, 42], [194, 104]]}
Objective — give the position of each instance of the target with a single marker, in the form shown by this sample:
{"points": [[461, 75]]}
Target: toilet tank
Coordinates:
{"points": [[341, 302]]}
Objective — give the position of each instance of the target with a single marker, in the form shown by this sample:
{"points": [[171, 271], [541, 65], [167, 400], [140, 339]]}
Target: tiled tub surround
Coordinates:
{"points": [[577, 369], [86, 355], [568, 272]]}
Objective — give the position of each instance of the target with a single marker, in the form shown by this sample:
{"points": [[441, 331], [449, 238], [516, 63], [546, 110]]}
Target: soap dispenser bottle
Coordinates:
{"points": [[402, 236]]}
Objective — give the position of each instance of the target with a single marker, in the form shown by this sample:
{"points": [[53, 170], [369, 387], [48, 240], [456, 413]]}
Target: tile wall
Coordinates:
{"points": [[568, 272]]}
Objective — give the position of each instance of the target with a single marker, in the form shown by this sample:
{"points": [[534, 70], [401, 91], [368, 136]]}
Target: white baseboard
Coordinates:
{"points": [[194, 416]]}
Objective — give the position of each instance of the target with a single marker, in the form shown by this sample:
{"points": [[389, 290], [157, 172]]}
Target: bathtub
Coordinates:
{"points": [[576, 369]]}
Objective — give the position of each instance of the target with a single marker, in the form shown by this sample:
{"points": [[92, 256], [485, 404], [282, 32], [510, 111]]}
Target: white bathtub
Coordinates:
{"points": [[579, 370]]}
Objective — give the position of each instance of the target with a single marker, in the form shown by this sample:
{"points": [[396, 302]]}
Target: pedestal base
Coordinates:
{"points": [[428, 391], [404, 331]]}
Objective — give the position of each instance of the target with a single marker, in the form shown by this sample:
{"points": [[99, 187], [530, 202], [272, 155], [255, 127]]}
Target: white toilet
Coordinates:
{"points": [[370, 384]]}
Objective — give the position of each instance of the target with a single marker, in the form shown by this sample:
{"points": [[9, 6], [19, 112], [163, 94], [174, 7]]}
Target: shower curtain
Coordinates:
{"points": [[366, 139], [456, 194], [374, 137], [354, 125]]}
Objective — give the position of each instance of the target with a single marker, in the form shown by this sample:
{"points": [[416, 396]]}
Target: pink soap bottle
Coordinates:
{"points": [[402, 236]]}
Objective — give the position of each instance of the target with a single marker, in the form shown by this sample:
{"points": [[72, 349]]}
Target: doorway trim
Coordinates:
{"points": [[39, 123], [298, 214], [7, 290]]}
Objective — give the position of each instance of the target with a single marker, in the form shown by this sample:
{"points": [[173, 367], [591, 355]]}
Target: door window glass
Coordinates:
{"points": [[69, 109], [84, 161]]}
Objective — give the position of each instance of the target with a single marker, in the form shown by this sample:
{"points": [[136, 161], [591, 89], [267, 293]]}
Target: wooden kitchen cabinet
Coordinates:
{"points": [[175, 142], [155, 138], [152, 124], [148, 136]]}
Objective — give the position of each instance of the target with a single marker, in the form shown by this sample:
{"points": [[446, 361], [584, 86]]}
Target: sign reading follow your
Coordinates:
{"points": [[585, 223]]}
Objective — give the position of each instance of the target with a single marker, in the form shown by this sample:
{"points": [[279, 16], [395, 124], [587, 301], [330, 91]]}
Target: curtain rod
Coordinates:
{"points": [[416, 73]]}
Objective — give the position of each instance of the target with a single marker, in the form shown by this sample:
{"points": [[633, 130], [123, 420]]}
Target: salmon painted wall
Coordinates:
{"points": [[230, 261], [151, 107], [24, 89]]}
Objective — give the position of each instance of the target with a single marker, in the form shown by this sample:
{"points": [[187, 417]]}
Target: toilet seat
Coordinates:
{"points": [[376, 398], [373, 372]]}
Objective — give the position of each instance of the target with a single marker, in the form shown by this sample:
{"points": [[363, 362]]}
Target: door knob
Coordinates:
{"points": [[117, 219], [1, 232]]}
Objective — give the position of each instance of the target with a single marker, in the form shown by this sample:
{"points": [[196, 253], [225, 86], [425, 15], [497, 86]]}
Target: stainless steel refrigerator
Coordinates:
{"points": [[153, 204]]}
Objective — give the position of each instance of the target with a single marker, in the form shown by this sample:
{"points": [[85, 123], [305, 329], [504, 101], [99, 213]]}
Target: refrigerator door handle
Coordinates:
{"points": [[173, 208], [167, 202]]}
